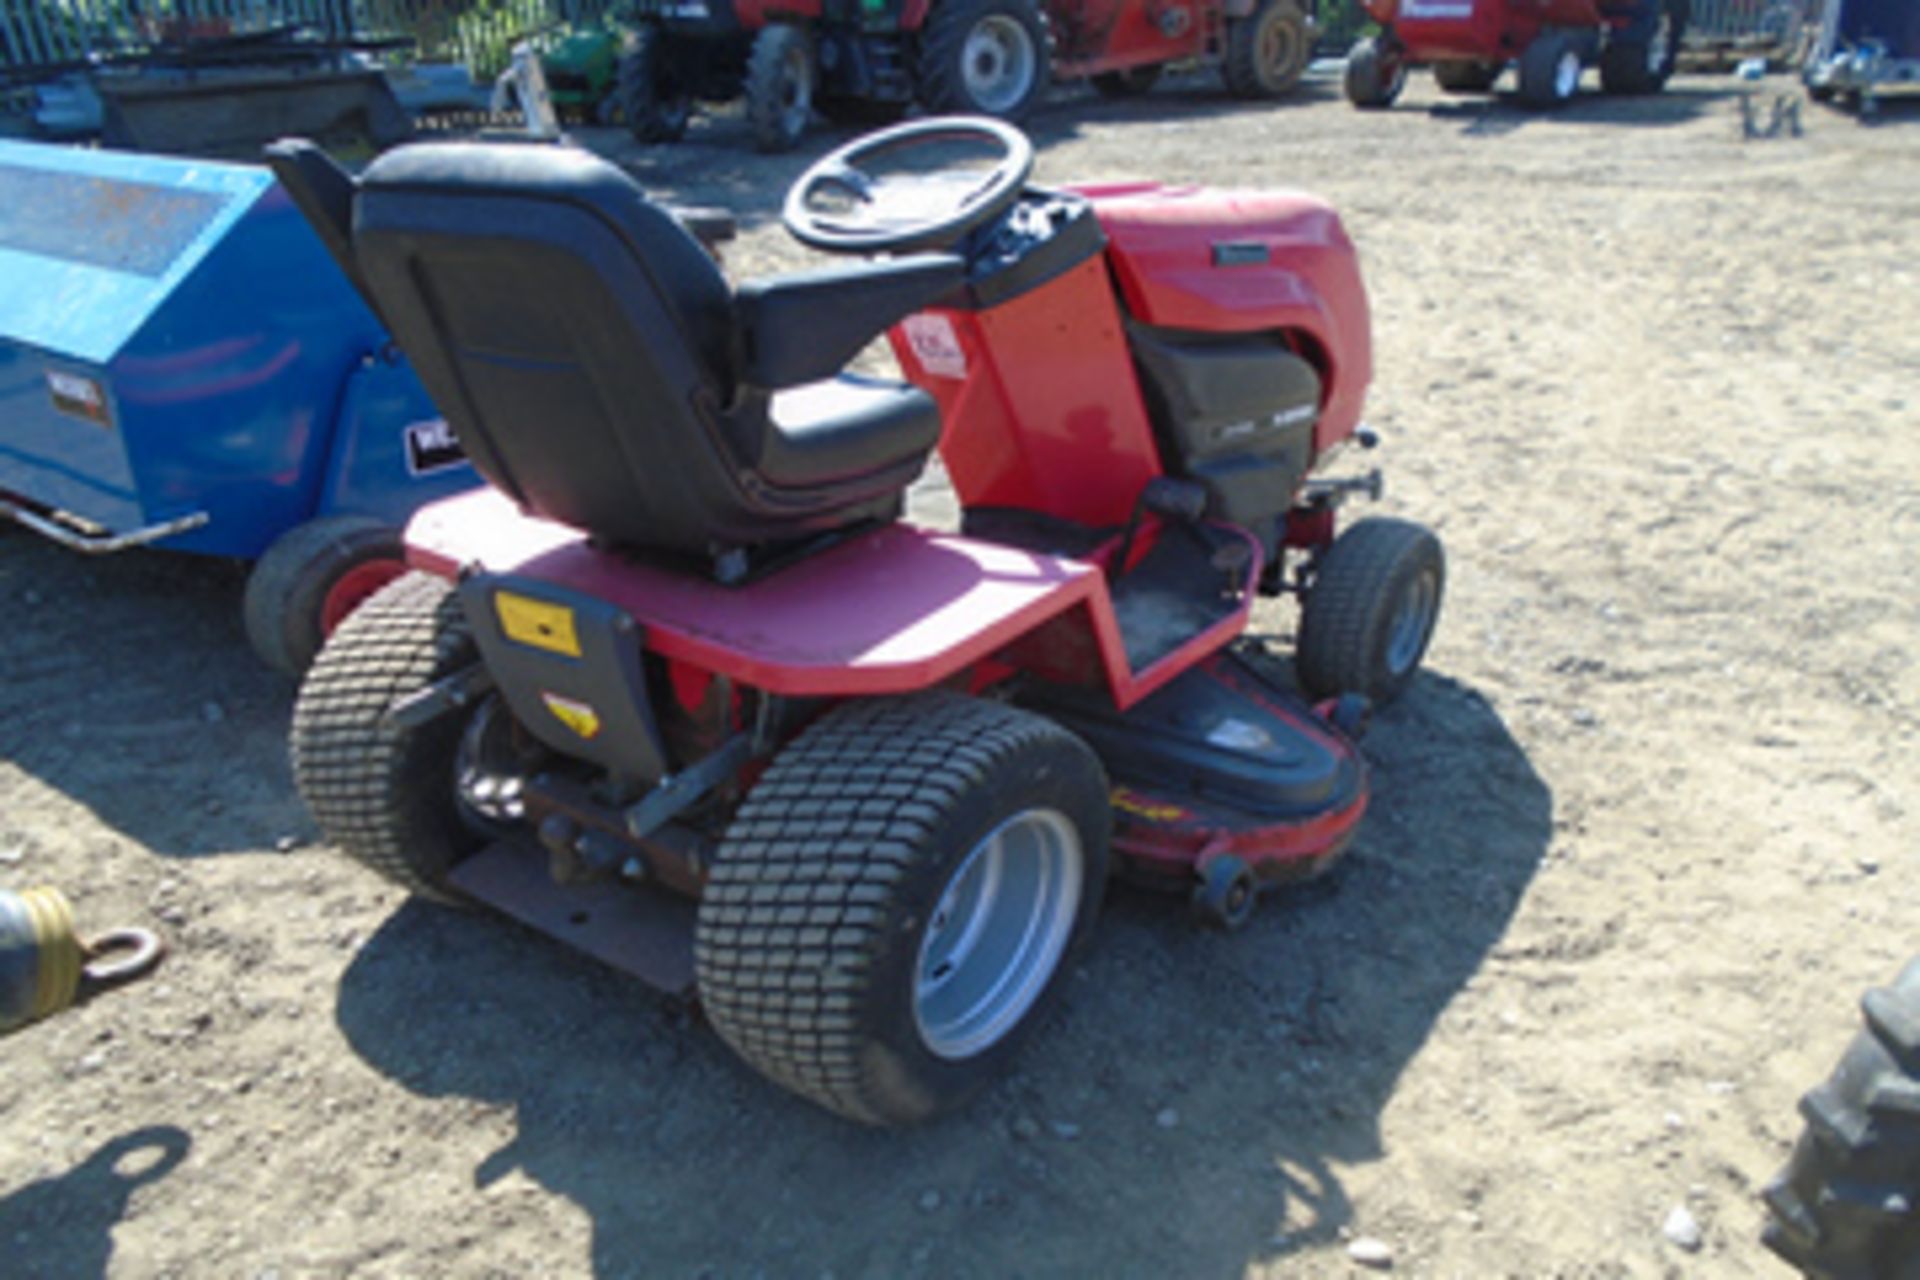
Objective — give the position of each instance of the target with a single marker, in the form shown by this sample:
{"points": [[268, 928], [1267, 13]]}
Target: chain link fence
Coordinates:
{"points": [[44, 33]]}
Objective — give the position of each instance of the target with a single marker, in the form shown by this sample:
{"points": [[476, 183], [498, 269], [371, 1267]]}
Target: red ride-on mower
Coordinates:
{"points": [[1470, 42], [684, 690]]}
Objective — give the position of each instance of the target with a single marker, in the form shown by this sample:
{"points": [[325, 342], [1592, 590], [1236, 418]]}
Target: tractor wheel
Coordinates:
{"points": [[781, 78], [1370, 611], [1644, 62], [1376, 73], [1844, 1204], [1130, 83], [656, 109], [893, 908], [1466, 77], [1550, 70], [983, 57], [310, 579], [1267, 51], [408, 802]]}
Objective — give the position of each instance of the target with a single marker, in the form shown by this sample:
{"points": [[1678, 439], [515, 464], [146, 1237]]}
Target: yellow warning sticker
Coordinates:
{"points": [[537, 623], [573, 713], [1141, 807]]}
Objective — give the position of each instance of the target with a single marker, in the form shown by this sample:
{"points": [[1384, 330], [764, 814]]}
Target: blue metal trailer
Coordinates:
{"points": [[183, 365], [1864, 48]]}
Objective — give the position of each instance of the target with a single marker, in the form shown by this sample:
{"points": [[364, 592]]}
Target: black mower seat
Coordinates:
{"points": [[597, 368]]}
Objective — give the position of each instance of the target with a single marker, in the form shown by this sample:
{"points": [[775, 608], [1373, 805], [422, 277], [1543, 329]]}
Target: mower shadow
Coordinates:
{"points": [[130, 688], [1189, 1113], [1502, 113]]}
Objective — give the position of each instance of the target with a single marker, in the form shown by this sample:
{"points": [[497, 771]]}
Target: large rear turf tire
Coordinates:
{"points": [[1376, 73], [1370, 611], [782, 77], [654, 105], [309, 581], [983, 57], [893, 909], [1848, 1202], [383, 794], [1267, 51]]}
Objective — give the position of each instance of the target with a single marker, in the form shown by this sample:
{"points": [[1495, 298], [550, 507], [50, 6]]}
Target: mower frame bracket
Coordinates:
{"points": [[678, 792], [442, 697]]}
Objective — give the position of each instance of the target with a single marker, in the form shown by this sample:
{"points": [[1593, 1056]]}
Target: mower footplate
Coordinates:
{"points": [[636, 928]]}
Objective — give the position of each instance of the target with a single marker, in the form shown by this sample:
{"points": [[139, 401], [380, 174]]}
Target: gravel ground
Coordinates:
{"points": [[1640, 837]]}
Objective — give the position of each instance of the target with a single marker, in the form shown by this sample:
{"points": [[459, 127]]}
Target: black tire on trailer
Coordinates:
{"points": [[983, 57], [1644, 64], [1550, 70], [1376, 73], [1466, 77], [892, 910], [1267, 51], [1370, 610], [654, 106], [1130, 83], [1847, 1204], [310, 579], [781, 79], [386, 795]]}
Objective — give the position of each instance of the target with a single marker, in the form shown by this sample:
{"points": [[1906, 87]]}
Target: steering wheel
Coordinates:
{"points": [[842, 206]]}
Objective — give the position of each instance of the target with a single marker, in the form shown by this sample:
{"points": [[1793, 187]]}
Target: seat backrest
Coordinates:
{"points": [[578, 339]]}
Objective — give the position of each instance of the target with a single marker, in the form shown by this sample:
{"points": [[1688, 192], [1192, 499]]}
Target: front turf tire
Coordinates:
{"points": [[311, 579], [1370, 611], [1376, 73], [383, 794], [828, 923]]}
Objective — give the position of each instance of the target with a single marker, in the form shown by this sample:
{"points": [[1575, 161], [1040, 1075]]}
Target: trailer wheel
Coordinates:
{"points": [[310, 579], [1644, 61], [892, 910], [1466, 77], [390, 796], [1844, 1203], [781, 78], [1370, 611], [1376, 73], [1550, 70], [655, 107], [1130, 83], [1267, 51], [983, 57]]}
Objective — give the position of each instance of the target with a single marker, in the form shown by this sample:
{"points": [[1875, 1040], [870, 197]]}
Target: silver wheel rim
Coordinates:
{"points": [[997, 63], [998, 933], [1657, 51], [1566, 75], [1412, 620]]}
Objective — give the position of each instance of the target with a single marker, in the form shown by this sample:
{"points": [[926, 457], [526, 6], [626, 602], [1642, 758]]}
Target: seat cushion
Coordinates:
{"points": [[843, 428]]}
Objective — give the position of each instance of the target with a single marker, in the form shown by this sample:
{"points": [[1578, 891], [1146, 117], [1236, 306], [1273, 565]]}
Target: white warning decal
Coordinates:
{"points": [[935, 345]]}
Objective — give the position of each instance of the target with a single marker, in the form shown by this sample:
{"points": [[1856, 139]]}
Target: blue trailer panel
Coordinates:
{"points": [[176, 348]]}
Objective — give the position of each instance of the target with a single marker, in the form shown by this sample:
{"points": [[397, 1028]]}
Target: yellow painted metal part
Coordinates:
{"points": [[537, 623], [53, 948]]}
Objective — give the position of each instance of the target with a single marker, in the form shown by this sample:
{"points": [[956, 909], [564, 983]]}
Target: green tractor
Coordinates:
{"points": [[582, 66]]}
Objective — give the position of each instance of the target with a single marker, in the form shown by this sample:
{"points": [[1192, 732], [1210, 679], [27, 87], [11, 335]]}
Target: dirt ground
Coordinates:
{"points": [[1640, 837]]}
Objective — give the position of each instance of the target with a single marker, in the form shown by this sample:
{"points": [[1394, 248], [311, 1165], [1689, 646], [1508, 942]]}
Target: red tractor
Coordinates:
{"points": [[684, 690], [983, 57], [1468, 43]]}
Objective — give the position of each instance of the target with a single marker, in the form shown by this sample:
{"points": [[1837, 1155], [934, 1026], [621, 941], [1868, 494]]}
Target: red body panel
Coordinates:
{"points": [[1163, 256], [1041, 386], [1477, 30], [1092, 36], [894, 611], [755, 14]]}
